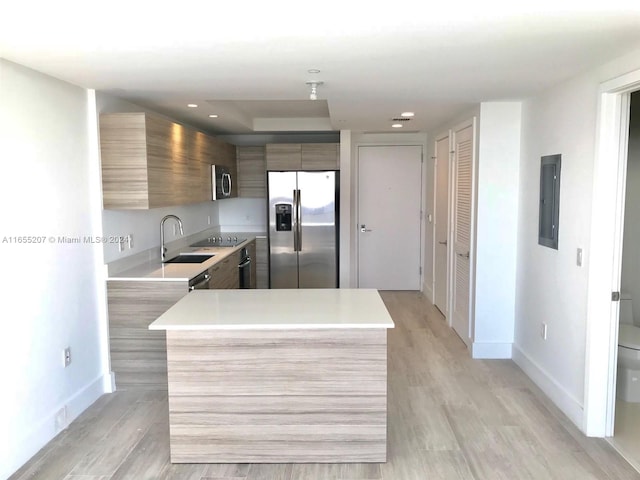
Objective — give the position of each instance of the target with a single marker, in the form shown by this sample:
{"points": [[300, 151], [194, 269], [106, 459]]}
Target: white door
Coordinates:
{"points": [[463, 147], [389, 201], [441, 250]]}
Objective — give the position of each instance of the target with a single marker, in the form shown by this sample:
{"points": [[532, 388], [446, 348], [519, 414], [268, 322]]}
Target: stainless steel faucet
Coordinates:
{"points": [[163, 249]]}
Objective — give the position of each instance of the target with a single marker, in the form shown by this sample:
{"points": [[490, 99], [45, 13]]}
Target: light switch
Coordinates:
{"points": [[579, 257]]}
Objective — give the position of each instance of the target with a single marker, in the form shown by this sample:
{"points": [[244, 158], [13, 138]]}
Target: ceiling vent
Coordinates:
{"points": [[400, 119]]}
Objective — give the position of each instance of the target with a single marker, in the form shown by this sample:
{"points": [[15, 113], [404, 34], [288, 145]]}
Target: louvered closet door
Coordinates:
{"points": [[463, 221]]}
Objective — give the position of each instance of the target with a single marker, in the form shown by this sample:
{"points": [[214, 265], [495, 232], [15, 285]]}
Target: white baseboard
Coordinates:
{"points": [[428, 292], [30, 444], [491, 350], [109, 382], [569, 405]]}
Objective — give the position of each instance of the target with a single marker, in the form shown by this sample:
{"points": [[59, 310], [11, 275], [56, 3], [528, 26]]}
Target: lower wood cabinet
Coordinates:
{"points": [[224, 274], [262, 262], [139, 355], [251, 251]]}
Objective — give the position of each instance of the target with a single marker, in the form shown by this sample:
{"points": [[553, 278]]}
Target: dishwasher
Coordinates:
{"points": [[199, 282], [244, 268]]}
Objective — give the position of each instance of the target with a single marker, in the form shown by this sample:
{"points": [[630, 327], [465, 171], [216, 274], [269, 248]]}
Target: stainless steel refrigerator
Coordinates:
{"points": [[303, 229]]}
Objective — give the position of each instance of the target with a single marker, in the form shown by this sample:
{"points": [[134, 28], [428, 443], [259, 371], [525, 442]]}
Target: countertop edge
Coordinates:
{"points": [[284, 326], [198, 268]]}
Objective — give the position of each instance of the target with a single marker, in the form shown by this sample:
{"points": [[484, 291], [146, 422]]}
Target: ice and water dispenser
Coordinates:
{"points": [[283, 217]]}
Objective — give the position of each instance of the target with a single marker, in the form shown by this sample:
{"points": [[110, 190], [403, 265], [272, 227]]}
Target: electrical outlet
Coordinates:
{"points": [[130, 240], [579, 257], [543, 331], [208, 219], [67, 357]]}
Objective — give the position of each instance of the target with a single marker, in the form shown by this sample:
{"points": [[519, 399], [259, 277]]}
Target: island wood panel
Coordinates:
{"points": [[262, 262], [320, 156], [277, 396], [252, 176], [138, 355], [284, 156], [123, 151]]}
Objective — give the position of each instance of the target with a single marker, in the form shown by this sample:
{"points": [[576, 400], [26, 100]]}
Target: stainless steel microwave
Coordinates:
{"points": [[220, 182]]}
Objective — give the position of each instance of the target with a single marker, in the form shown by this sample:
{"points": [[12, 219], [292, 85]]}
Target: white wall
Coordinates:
{"points": [[50, 291], [630, 281], [496, 232], [551, 288], [144, 225]]}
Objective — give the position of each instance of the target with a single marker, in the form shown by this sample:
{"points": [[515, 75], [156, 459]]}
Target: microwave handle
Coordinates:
{"points": [[228, 177]]}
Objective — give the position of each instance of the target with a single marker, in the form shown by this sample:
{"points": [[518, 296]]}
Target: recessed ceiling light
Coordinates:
{"points": [[192, 105], [213, 115], [397, 125], [407, 114], [313, 70]]}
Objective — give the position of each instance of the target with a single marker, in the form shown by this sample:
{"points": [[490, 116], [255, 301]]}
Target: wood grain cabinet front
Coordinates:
{"points": [[149, 161], [251, 251], [262, 262], [224, 274], [138, 355], [305, 156], [252, 172]]}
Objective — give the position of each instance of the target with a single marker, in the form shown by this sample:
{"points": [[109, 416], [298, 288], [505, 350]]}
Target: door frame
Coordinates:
{"points": [[610, 168], [448, 134], [355, 195]]}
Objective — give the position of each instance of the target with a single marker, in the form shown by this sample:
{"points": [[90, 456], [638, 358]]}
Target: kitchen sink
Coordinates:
{"points": [[189, 258]]}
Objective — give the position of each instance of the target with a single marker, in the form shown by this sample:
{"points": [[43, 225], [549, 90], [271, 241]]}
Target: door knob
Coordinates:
{"points": [[364, 229], [443, 243], [464, 255]]}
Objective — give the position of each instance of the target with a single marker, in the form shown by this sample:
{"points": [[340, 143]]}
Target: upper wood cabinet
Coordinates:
{"points": [[284, 156], [252, 177], [320, 156], [305, 156], [149, 161]]}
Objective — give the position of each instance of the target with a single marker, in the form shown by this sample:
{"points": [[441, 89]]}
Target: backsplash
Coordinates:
{"points": [[243, 215], [144, 225]]}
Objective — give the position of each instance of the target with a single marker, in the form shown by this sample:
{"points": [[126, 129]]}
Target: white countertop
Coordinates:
{"points": [[156, 270], [276, 309]]}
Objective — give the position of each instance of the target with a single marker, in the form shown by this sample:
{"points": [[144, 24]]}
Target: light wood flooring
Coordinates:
{"points": [[449, 417]]}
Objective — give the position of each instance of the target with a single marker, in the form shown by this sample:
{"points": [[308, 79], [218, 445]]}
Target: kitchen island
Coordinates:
{"points": [[277, 376]]}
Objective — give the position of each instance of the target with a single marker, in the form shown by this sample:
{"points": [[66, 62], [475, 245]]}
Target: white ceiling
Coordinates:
{"points": [[248, 61]]}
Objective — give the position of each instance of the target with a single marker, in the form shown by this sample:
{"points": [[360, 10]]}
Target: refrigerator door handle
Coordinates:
{"points": [[299, 220], [295, 220]]}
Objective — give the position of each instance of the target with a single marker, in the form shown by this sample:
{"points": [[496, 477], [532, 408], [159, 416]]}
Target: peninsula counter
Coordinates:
{"points": [[277, 376]]}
